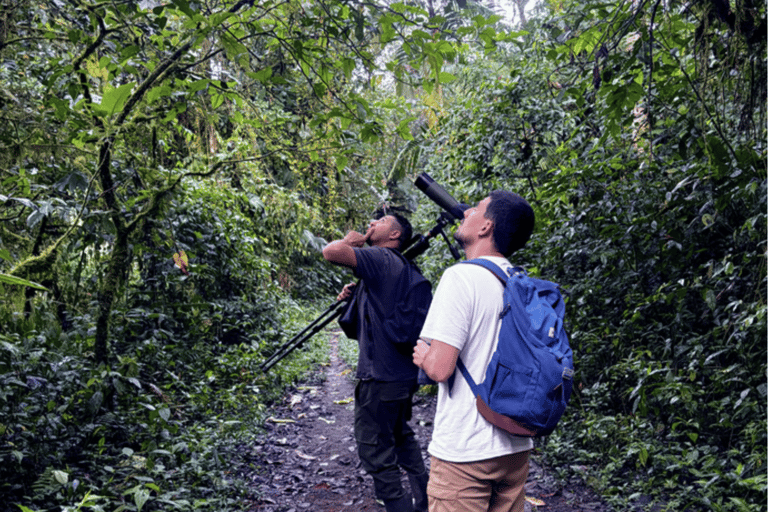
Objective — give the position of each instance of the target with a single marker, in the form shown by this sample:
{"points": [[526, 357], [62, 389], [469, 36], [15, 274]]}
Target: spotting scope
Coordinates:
{"points": [[440, 196]]}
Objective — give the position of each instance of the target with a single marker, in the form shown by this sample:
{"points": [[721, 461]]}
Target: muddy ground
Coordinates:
{"points": [[306, 459]]}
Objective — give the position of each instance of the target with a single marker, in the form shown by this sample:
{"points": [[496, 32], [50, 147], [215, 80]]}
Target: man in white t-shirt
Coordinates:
{"points": [[475, 466]]}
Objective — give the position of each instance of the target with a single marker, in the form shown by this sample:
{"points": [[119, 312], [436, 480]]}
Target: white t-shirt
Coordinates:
{"points": [[465, 314]]}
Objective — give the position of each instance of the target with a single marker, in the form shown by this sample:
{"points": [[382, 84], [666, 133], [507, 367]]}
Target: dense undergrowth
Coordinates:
{"points": [[650, 195], [159, 426], [155, 432], [234, 136]]}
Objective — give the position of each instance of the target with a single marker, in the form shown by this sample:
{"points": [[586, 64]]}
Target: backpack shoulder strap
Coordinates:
{"points": [[467, 377], [497, 271], [502, 276], [409, 264]]}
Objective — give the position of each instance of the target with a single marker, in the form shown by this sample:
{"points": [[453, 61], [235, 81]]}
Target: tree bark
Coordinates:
{"points": [[114, 279], [521, 9]]}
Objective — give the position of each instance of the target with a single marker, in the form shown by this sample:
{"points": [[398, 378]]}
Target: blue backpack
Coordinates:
{"points": [[530, 377]]}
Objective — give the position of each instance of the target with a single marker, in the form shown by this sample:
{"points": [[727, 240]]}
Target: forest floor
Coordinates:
{"points": [[306, 458]]}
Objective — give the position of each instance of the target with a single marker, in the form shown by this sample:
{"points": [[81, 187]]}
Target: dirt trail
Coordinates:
{"points": [[307, 460]]}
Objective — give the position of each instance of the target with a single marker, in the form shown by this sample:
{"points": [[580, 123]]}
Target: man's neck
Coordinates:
{"points": [[389, 244], [481, 249]]}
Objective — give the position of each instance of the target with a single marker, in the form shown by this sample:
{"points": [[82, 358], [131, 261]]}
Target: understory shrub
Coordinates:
{"points": [[161, 427]]}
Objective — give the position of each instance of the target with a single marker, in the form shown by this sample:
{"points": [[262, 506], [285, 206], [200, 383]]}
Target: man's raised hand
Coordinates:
{"points": [[356, 239]]}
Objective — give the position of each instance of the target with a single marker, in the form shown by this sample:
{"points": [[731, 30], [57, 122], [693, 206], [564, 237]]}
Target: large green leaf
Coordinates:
{"points": [[114, 100], [13, 280]]}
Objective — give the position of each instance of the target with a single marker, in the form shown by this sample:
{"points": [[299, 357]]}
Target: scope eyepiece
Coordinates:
{"points": [[440, 196]]}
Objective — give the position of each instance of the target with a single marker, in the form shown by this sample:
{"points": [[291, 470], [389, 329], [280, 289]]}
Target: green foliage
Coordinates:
{"points": [[649, 188], [348, 350], [245, 136], [663, 260], [157, 428]]}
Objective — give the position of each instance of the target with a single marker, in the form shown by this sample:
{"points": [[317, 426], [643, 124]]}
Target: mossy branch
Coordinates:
{"points": [[35, 265], [156, 199]]}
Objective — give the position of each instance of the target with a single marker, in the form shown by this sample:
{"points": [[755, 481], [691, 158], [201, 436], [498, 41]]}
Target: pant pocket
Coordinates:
{"points": [[441, 492]]}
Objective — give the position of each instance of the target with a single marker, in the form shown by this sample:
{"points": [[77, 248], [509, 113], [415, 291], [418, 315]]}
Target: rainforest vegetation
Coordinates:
{"points": [[170, 170]]}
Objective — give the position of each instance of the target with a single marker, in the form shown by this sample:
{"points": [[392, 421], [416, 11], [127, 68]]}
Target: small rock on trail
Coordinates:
{"points": [[306, 459]]}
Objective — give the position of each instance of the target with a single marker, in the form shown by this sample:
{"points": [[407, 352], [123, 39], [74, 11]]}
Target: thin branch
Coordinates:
{"points": [[154, 202], [650, 79], [712, 118], [75, 224], [156, 75]]}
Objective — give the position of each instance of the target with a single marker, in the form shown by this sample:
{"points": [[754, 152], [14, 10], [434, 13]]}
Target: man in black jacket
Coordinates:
{"points": [[387, 326]]}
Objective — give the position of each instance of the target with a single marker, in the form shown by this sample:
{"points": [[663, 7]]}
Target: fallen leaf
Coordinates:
{"points": [[305, 456], [295, 399], [535, 501], [344, 401], [277, 420], [330, 422], [345, 372]]}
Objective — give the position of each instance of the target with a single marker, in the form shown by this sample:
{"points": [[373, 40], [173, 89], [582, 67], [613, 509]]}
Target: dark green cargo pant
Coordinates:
{"points": [[384, 438]]}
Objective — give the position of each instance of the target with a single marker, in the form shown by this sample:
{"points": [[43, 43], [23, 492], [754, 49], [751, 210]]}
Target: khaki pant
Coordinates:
{"points": [[493, 485]]}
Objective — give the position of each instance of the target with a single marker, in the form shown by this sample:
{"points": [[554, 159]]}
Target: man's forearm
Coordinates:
{"points": [[437, 359], [342, 251]]}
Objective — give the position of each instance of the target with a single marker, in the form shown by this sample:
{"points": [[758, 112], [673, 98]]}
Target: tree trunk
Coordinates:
{"points": [[29, 293], [521, 9], [114, 278]]}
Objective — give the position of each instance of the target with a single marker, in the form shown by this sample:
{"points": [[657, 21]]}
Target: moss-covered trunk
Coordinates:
{"points": [[114, 278]]}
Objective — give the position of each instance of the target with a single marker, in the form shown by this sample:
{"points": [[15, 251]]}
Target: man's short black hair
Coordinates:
{"points": [[406, 231], [513, 221]]}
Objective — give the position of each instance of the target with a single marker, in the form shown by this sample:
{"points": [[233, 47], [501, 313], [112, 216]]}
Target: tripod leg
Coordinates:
{"points": [[287, 348]]}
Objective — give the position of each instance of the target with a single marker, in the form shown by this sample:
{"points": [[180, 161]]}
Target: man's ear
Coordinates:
{"points": [[486, 229], [395, 234]]}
